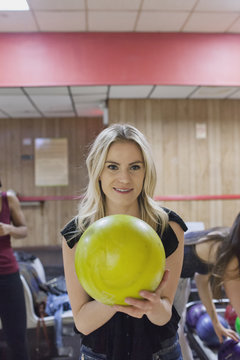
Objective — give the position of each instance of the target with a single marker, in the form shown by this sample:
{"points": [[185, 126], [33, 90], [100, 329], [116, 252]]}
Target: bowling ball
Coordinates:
{"points": [[230, 315], [194, 313], [237, 325], [117, 256], [205, 330], [229, 350]]}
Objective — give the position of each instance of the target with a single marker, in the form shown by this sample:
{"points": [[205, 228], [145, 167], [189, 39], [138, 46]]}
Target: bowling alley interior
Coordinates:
{"points": [[69, 69]]}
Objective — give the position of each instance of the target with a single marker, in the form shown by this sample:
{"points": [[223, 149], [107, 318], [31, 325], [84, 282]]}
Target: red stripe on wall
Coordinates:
{"points": [[157, 198]]}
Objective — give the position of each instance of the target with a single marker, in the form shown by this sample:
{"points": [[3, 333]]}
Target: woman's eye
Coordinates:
{"points": [[112, 167], [135, 167]]}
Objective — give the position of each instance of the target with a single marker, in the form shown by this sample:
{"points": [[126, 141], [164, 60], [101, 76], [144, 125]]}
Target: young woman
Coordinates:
{"points": [[122, 180], [226, 270], [212, 258], [12, 302]]}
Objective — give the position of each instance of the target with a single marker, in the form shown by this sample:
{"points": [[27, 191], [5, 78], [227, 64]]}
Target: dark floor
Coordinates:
{"points": [[70, 350]]}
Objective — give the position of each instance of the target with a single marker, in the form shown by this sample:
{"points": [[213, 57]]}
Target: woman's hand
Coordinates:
{"points": [[222, 332], [151, 302], [4, 229]]}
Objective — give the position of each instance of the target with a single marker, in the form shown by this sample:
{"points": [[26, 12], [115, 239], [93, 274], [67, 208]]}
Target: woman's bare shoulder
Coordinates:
{"points": [[232, 268], [207, 250]]}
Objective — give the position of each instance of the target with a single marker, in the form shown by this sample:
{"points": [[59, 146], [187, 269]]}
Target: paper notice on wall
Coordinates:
{"points": [[201, 131], [51, 162]]}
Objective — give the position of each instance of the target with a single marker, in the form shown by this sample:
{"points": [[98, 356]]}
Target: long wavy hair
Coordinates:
{"points": [[229, 248], [92, 205]]}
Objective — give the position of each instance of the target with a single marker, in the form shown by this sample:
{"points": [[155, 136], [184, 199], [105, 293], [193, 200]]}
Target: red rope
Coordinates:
{"points": [[47, 198], [197, 197], [157, 198]]}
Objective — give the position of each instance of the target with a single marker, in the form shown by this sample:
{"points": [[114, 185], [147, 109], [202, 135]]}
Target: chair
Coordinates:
{"points": [[32, 317]]}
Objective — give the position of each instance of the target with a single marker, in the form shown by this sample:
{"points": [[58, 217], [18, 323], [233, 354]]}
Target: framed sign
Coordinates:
{"points": [[201, 131], [51, 162]]}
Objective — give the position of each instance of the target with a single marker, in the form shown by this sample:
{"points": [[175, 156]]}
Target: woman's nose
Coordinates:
{"points": [[124, 176]]}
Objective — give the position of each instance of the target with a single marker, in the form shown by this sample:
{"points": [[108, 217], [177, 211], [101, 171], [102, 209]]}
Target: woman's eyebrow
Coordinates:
{"points": [[134, 162], [112, 162]]}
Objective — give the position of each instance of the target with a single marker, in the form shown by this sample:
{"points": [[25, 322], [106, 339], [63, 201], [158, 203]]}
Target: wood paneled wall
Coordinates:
{"points": [[187, 165], [17, 171]]}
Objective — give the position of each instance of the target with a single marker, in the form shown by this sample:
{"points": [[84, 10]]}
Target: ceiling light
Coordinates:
{"points": [[15, 5]]}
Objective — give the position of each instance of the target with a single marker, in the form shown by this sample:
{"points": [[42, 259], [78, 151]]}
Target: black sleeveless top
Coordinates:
{"points": [[191, 262], [123, 336]]}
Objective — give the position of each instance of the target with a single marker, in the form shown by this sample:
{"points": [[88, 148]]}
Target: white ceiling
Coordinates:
{"points": [[125, 15], [91, 100], [218, 16]]}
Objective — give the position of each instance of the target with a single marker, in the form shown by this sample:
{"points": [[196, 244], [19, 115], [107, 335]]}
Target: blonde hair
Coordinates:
{"points": [[92, 206]]}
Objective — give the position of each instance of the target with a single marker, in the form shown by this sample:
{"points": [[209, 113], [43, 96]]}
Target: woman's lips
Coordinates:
{"points": [[122, 191]]}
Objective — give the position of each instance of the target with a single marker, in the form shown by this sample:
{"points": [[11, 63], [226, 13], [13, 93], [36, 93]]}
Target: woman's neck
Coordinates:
{"points": [[126, 210]]}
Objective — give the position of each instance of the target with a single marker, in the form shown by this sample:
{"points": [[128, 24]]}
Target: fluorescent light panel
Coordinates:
{"points": [[13, 5]]}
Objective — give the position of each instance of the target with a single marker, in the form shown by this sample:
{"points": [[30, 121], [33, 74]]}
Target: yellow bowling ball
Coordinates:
{"points": [[117, 256]]}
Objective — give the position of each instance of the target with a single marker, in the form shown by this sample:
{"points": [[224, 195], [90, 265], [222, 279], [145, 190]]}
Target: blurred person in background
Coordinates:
{"points": [[212, 259], [12, 301]]}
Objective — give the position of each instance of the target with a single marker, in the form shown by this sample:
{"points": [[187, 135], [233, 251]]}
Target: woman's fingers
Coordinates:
{"points": [[233, 335], [139, 307]]}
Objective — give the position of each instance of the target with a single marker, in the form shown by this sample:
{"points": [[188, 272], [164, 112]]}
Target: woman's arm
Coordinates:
{"points": [[232, 287], [88, 314], [158, 305], [205, 294], [18, 228]]}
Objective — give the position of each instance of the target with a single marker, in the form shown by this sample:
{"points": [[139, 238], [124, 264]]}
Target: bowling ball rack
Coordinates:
{"points": [[200, 348]]}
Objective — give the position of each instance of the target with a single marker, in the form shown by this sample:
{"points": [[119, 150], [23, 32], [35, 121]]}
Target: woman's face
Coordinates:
{"points": [[122, 178]]}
